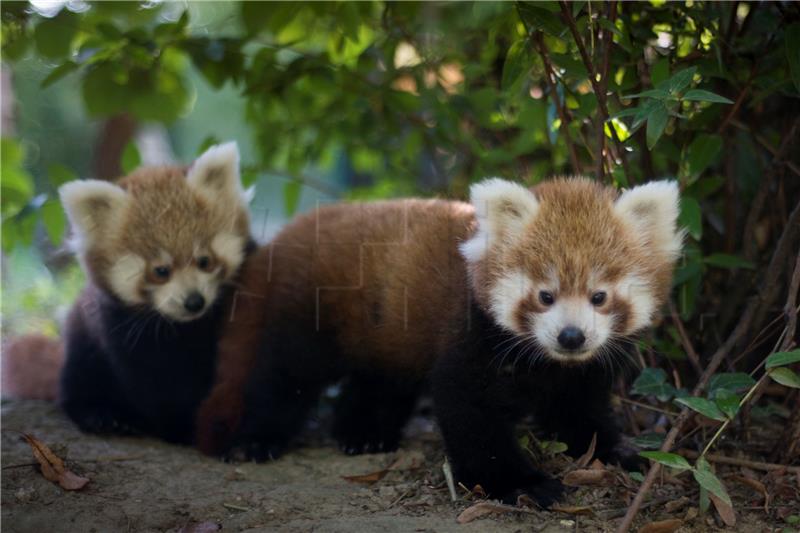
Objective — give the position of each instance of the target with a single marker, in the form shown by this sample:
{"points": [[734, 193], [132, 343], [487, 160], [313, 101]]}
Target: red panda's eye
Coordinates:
{"points": [[162, 272], [203, 262], [546, 298], [598, 298]]}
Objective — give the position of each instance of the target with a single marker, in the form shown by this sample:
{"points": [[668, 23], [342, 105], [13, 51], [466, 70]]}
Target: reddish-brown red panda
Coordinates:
{"points": [[161, 249], [515, 305]]}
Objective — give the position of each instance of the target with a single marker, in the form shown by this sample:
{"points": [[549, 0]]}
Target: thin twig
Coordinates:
{"points": [[598, 89], [755, 465], [685, 342], [550, 81]]}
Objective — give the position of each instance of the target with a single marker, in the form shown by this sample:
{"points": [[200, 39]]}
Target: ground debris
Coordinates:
{"points": [[53, 467]]}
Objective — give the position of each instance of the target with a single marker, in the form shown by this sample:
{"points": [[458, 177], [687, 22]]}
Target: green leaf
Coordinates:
{"points": [[656, 123], [652, 382], [792, 47], [516, 63], [131, 158], [649, 441], [537, 18], [728, 261], [731, 381], [672, 460], [54, 36], [710, 482], [291, 196], [552, 447], [783, 358], [702, 152], [786, 377], [658, 94], [679, 81], [54, 220], [59, 72], [691, 217], [705, 407], [705, 96], [727, 402], [58, 175]]}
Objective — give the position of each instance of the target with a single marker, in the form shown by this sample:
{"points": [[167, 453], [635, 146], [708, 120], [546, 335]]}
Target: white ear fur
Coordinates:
{"points": [[216, 172], [652, 211], [503, 209], [93, 207]]}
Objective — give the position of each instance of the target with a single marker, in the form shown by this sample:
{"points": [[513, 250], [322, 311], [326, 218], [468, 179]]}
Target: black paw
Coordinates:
{"points": [[629, 459], [104, 423], [259, 452], [361, 438], [545, 491]]}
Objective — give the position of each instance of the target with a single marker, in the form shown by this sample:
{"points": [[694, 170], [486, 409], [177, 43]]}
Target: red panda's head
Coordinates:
{"points": [[166, 238], [571, 265]]}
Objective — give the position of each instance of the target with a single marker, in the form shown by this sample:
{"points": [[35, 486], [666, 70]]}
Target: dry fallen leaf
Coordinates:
{"points": [[676, 505], [578, 478], [410, 460], [662, 526], [372, 477], [725, 511], [486, 508], [53, 468], [572, 509], [584, 459]]}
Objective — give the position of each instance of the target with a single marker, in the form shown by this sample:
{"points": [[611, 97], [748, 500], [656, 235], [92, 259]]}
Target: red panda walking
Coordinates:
{"points": [[160, 249], [515, 305]]}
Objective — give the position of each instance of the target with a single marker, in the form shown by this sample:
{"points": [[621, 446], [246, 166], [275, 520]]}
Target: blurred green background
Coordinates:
{"points": [[338, 100]]}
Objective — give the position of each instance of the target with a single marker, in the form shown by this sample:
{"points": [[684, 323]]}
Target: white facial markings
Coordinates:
{"points": [[229, 248], [169, 298], [125, 277], [505, 297], [576, 312], [639, 295]]}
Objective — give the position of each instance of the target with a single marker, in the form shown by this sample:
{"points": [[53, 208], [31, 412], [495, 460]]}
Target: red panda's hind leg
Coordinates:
{"points": [[372, 411]]}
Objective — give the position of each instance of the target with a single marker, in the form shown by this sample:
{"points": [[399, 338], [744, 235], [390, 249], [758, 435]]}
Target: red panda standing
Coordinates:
{"points": [[160, 249], [515, 305]]}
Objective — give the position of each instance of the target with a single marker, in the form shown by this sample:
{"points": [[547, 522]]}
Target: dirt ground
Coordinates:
{"points": [[140, 484]]}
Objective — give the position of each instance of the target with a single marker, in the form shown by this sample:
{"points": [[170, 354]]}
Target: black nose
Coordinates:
{"points": [[571, 338], [194, 302]]}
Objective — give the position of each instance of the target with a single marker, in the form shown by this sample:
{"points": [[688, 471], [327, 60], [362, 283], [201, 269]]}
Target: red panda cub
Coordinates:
{"points": [[161, 249], [516, 305]]}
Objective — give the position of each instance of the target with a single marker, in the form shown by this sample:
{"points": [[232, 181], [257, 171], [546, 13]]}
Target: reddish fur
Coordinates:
{"points": [[419, 289]]}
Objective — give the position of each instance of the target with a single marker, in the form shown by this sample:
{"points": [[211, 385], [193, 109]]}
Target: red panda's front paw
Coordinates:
{"points": [[357, 437], [104, 423], [257, 452], [544, 490]]}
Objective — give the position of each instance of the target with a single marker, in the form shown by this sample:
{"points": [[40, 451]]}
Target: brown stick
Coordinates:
{"points": [[685, 342], [755, 465], [549, 79], [599, 91]]}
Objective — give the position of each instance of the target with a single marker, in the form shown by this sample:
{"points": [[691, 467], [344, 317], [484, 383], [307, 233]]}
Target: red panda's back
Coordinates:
{"points": [[386, 277]]}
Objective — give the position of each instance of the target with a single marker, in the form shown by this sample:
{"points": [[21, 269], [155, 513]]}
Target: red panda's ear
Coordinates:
{"points": [[651, 211], [216, 173], [503, 209], [93, 207]]}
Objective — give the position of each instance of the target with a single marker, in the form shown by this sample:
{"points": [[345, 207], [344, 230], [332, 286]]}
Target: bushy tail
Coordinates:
{"points": [[31, 365]]}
